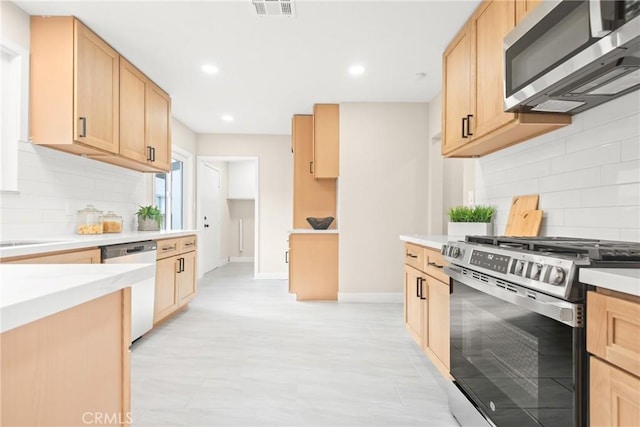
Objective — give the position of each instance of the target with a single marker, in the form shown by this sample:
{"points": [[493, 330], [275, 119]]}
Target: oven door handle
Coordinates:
{"points": [[571, 314]]}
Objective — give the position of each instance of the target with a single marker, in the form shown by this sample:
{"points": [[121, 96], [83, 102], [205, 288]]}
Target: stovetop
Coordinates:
{"points": [[594, 249], [546, 264]]}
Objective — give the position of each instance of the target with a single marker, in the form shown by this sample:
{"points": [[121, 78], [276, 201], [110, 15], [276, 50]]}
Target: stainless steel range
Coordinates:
{"points": [[518, 350]]}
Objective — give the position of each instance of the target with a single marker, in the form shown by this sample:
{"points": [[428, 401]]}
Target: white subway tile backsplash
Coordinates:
{"points": [[616, 130], [587, 174], [621, 173], [583, 178], [614, 216], [630, 148], [611, 195], [600, 155], [528, 171], [54, 185]]}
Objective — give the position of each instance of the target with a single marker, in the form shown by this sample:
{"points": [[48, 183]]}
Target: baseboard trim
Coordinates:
{"points": [[241, 259], [371, 297], [272, 276]]}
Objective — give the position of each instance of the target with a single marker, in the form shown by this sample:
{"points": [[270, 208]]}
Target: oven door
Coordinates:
{"points": [[517, 366]]}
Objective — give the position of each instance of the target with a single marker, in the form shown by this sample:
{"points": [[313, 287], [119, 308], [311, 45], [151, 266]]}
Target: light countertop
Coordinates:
{"points": [[430, 241], [77, 241], [29, 292], [625, 280], [312, 231]]}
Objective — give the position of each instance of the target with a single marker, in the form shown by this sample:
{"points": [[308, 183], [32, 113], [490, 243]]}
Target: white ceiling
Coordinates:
{"points": [[272, 67]]}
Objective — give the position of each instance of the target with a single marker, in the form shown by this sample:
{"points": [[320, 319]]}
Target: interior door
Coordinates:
{"points": [[209, 217]]}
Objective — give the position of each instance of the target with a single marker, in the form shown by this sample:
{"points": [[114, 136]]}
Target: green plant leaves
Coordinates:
{"points": [[150, 212], [479, 213]]}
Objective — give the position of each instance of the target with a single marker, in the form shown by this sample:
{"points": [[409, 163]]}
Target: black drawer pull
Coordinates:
{"points": [[433, 264]]}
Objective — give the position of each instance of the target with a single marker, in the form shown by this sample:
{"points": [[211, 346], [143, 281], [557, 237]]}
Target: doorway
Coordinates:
{"points": [[228, 199]]}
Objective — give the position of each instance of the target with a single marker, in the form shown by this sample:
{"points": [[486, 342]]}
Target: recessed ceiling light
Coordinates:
{"points": [[356, 70], [210, 69], [227, 118]]}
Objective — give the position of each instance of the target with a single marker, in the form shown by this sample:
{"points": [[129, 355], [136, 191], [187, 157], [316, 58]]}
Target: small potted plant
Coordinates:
{"points": [[149, 218], [471, 221]]}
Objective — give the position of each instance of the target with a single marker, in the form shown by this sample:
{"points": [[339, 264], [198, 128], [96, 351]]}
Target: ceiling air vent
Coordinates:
{"points": [[274, 7]]}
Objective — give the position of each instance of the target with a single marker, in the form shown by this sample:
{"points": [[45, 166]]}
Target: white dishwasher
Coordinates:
{"points": [[142, 293]]}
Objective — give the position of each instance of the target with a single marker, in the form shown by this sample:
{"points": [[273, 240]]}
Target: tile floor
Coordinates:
{"points": [[245, 353]]}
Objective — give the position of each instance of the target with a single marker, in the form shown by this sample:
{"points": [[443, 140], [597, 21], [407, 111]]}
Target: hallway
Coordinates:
{"points": [[245, 353]]}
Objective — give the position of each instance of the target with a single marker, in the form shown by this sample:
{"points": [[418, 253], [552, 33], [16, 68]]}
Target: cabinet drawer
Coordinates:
{"points": [[415, 256], [435, 265], [613, 330], [168, 247], [188, 243]]}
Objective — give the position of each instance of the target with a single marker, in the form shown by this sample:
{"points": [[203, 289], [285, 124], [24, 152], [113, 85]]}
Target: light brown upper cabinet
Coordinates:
{"points": [[145, 120], [74, 95], [326, 140], [523, 7], [311, 197], [86, 99], [473, 117]]}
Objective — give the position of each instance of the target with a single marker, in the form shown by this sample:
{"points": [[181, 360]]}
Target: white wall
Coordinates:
{"points": [[587, 174], [242, 179], [383, 174], [184, 138], [241, 210], [275, 188]]}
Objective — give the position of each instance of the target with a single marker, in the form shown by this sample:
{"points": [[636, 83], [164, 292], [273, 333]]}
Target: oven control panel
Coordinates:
{"points": [[490, 261]]}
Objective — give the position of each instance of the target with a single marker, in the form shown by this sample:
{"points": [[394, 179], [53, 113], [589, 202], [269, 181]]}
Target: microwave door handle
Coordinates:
{"points": [[596, 19]]}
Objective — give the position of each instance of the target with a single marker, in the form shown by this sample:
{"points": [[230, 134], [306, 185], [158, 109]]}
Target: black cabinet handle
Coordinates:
{"points": [[433, 264], [421, 289], [410, 255], [469, 124], [311, 168], [418, 288], [149, 153], [83, 133], [464, 127], [286, 257], [180, 265]]}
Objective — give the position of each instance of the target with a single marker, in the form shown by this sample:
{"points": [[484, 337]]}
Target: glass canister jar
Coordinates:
{"points": [[89, 221], [111, 223]]}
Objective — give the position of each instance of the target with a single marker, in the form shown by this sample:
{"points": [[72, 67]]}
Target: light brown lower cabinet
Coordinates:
{"points": [[85, 256], [426, 303], [313, 266], [613, 339], [176, 281], [71, 368]]}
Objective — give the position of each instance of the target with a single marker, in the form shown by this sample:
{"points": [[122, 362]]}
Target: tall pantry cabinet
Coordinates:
{"points": [[313, 254]]}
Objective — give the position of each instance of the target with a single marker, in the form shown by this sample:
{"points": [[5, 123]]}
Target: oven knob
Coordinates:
{"points": [[536, 269], [519, 267], [455, 252], [444, 250], [557, 276]]}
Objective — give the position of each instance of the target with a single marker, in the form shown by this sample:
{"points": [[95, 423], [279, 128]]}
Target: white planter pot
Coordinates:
{"points": [[148, 225], [461, 229]]}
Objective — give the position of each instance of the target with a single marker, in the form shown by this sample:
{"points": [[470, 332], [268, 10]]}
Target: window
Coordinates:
{"points": [[169, 195], [173, 192]]}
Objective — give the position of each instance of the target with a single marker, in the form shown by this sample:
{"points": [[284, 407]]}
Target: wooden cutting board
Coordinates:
{"points": [[527, 225], [519, 206]]}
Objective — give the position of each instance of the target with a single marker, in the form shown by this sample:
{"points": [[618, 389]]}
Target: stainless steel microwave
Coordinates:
{"points": [[568, 56]]}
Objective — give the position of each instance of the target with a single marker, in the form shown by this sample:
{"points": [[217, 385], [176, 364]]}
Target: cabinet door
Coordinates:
{"points": [[132, 112], [438, 323], [614, 396], [165, 296], [186, 279], [457, 90], [159, 127], [326, 140], [491, 23], [311, 197], [96, 91], [523, 7], [313, 266], [413, 304]]}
